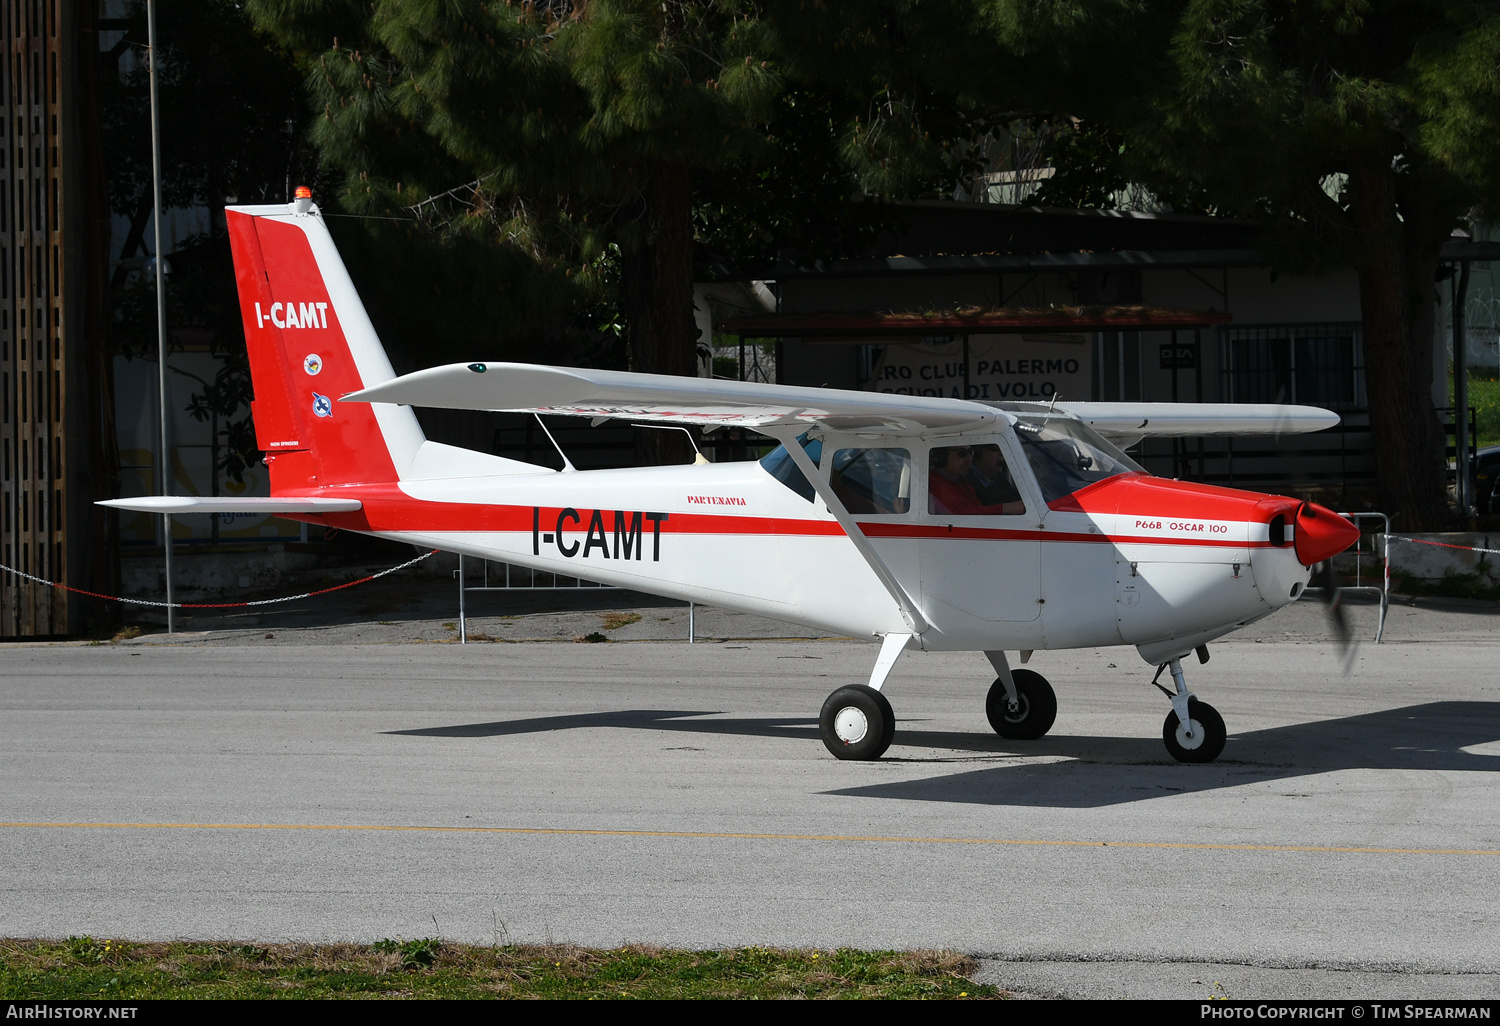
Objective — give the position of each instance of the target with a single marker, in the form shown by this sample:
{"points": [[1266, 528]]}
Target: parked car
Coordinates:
{"points": [[1487, 479]]}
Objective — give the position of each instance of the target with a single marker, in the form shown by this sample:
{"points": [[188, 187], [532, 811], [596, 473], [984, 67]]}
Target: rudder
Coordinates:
{"points": [[310, 342]]}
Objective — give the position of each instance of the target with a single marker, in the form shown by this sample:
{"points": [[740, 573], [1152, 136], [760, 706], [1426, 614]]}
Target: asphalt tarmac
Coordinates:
{"points": [[361, 780]]}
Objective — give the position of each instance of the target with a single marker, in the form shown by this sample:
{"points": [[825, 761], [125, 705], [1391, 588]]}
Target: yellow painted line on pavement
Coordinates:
{"points": [[716, 836]]}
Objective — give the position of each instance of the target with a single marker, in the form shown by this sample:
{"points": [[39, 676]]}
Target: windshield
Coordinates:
{"points": [[1066, 455], [778, 462]]}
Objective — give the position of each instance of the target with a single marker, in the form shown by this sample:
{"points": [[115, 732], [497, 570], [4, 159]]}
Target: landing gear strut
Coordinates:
{"points": [[857, 721], [1194, 730], [1021, 704], [1030, 715]]}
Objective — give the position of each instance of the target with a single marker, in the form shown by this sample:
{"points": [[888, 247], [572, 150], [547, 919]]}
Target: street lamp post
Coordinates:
{"points": [[164, 463]]}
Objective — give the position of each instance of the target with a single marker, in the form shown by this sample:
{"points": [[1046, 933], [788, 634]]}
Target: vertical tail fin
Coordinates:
{"points": [[309, 343]]}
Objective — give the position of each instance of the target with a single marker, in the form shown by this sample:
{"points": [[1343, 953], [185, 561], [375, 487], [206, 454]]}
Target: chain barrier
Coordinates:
{"points": [[219, 605]]}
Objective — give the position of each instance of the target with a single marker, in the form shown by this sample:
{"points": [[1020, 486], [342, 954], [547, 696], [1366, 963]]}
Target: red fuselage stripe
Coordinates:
{"points": [[387, 509]]}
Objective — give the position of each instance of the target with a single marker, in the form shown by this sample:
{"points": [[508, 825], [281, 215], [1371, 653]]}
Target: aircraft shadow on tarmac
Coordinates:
{"points": [[648, 719], [1084, 772]]}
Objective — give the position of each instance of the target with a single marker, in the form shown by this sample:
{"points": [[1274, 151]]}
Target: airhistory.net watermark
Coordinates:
{"points": [[43, 1010]]}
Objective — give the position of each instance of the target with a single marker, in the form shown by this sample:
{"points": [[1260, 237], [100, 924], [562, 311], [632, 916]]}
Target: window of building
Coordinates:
{"points": [[1311, 364]]}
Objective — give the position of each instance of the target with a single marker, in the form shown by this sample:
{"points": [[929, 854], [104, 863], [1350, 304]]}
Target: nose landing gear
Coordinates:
{"points": [[1194, 731], [1201, 739]]}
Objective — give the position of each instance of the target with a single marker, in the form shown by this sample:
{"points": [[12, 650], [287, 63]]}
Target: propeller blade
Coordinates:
{"points": [[1334, 600]]}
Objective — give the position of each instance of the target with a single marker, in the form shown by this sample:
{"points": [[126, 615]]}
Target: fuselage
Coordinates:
{"points": [[1131, 559]]}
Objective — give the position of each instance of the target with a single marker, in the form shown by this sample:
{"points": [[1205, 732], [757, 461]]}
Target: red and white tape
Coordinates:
{"points": [[1441, 545], [218, 605]]}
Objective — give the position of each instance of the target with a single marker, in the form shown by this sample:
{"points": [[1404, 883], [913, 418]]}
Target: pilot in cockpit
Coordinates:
{"points": [[991, 479], [950, 488]]}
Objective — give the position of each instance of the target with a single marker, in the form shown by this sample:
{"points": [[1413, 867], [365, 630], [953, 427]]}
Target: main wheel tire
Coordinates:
{"points": [[1207, 737], [1033, 715], [857, 723]]}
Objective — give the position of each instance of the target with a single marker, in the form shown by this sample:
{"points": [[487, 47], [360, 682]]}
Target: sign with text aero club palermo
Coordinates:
{"points": [[1022, 368]]}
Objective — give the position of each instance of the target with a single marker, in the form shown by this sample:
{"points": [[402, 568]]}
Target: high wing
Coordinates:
{"points": [[1135, 421], [233, 504], [530, 388], [579, 392]]}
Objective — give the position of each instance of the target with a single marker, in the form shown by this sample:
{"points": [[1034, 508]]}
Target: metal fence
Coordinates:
{"points": [[1375, 552], [507, 577]]}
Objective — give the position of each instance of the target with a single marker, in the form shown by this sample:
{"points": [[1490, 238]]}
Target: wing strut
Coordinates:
{"points": [[909, 611]]}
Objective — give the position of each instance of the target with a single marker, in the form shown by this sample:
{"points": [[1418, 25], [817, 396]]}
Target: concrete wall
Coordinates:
{"points": [[1448, 555]]}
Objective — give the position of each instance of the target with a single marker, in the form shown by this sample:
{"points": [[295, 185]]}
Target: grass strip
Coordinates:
{"points": [[1484, 396], [82, 968]]}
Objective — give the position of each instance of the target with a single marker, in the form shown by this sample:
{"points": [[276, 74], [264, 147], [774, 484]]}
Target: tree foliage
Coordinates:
{"points": [[1360, 133], [565, 133], [606, 142], [230, 109]]}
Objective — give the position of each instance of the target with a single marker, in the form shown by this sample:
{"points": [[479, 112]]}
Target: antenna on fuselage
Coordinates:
{"points": [[1051, 409], [567, 463]]}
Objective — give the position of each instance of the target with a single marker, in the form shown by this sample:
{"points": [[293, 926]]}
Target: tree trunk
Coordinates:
{"points": [[658, 293], [100, 543], [1398, 297]]}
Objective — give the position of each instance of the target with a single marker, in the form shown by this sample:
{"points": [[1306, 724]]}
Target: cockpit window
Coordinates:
{"points": [[778, 463], [1066, 455], [872, 480], [971, 480]]}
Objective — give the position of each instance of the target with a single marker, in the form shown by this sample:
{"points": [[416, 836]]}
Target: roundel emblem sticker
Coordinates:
{"points": [[312, 363], [321, 406]]}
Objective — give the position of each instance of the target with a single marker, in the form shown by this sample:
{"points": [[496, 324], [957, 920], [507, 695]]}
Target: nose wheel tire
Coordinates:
{"points": [[1029, 718], [1201, 740], [857, 723]]}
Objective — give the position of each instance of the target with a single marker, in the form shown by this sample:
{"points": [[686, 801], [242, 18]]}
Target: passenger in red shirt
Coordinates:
{"points": [[949, 490]]}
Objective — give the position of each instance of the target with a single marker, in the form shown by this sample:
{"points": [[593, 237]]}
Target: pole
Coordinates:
{"points": [[1177, 458], [966, 368], [163, 474], [463, 616], [1198, 386], [1461, 390]]}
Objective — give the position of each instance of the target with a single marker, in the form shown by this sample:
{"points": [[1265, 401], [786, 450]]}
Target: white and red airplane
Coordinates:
{"points": [[935, 524]]}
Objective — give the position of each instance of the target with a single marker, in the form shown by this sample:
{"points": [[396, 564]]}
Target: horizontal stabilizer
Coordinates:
{"points": [[233, 504], [579, 392], [1175, 420]]}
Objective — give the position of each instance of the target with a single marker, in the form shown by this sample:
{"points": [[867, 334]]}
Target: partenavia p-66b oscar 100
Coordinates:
{"points": [[938, 524]]}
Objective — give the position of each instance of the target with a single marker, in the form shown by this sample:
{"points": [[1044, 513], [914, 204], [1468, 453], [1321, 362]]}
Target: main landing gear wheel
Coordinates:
{"points": [[1201, 740], [1029, 718], [857, 723]]}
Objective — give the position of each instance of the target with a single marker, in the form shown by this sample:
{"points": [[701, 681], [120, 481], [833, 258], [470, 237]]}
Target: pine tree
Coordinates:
{"points": [[572, 130], [588, 135]]}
